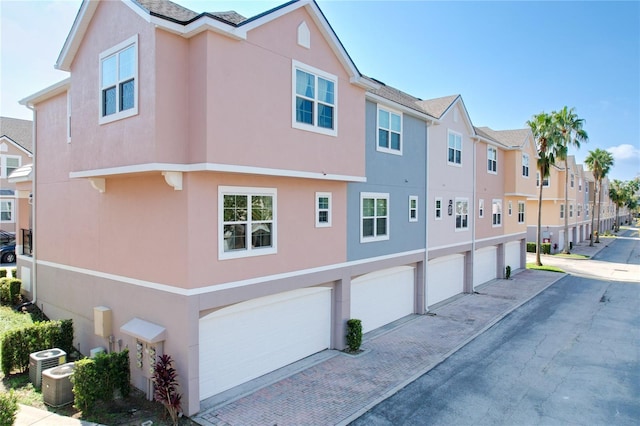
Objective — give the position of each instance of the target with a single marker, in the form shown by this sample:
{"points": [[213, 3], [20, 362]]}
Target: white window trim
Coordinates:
{"points": [[127, 112], [375, 195], [412, 198], [455, 214], [572, 180], [481, 208], [69, 115], [570, 211], [541, 180], [3, 164], [328, 210], [521, 203], [562, 211], [510, 207], [451, 132], [528, 166], [249, 252], [436, 209], [12, 211], [388, 150], [499, 203], [317, 72], [494, 149]]}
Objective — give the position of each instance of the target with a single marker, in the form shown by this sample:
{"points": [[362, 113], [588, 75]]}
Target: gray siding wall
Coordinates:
{"points": [[401, 176]]}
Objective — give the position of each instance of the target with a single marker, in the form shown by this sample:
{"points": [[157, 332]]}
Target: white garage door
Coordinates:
{"points": [[381, 297], [512, 255], [445, 278], [485, 265], [249, 339]]}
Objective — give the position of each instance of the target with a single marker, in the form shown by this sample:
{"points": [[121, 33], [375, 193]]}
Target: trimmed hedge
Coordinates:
{"points": [[17, 345], [546, 248], [3, 273], [354, 334], [10, 291], [96, 379], [8, 408]]}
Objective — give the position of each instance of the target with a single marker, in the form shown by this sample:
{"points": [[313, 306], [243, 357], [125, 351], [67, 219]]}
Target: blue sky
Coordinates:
{"points": [[508, 59]]}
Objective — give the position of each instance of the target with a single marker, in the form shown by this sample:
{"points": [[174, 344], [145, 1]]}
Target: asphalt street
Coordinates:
{"points": [[569, 356]]}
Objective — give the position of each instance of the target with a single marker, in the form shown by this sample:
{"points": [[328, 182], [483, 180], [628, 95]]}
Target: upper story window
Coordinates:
{"points": [[572, 179], [545, 182], [323, 209], [119, 81], [520, 211], [579, 184], [496, 212], [454, 155], [389, 131], [8, 163], [462, 214], [579, 210], [413, 208], [525, 165], [510, 207], [438, 208], [374, 218], [492, 160], [248, 221], [481, 208], [6, 211], [315, 100], [561, 211], [570, 210]]}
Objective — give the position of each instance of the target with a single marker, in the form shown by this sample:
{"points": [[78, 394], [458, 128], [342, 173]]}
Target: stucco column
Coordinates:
{"points": [[500, 264], [192, 385], [341, 312], [523, 253], [420, 288], [468, 271]]}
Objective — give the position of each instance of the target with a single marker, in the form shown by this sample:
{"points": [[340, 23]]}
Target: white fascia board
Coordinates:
{"points": [[6, 138], [46, 93], [212, 167], [72, 43], [406, 110]]}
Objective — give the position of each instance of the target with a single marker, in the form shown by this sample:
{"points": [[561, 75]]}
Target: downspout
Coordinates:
{"points": [[427, 203], [473, 214], [34, 274]]}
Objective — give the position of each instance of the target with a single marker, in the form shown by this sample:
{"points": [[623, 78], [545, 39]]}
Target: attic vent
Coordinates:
{"points": [[304, 35]]}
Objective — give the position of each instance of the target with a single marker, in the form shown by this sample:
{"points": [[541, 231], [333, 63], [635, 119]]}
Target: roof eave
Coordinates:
{"points": [[46, 93]]}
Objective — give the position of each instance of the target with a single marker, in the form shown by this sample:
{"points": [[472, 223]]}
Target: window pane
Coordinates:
{"points": [[325, 91], [261, 235], [261, 207], [304, 111], [367, 227], [127, 65], [323, 216], [395, 123], [452, 155], [234, 237], [305, 84], [381, 207], [383, 138], [325, 116], [109, 101], [127, 90], [383, 119], [235, 208], [395, 141], [323, 202], [109, 76], [458, 157], [381, 226]]}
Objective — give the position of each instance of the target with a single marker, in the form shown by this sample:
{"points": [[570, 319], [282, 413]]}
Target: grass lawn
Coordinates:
{"points": [[544, 268], [572, 256]]}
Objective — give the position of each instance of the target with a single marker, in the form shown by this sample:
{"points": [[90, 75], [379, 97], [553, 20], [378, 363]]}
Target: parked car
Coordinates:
{"points": [[8, 253]]}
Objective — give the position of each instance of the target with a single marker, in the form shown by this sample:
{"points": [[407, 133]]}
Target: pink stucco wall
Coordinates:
{"points": [[489, 187]]}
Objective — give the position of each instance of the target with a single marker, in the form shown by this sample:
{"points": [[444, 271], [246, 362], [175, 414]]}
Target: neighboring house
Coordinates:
{"points": [[15, 151], [205, 163]]}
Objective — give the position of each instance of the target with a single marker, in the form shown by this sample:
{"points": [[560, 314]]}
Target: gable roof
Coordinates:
{"points": [[515, 138], [438, 106], [398, 97], [174, 18], [18, 131]]}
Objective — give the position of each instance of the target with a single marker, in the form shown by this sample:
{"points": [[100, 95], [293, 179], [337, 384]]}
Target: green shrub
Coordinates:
{"points": [[546, 248], [17, 345], [354, 334], [8, 408], [3, 273], [96, 379], [14, 272], [10, 290], [508, 272]]}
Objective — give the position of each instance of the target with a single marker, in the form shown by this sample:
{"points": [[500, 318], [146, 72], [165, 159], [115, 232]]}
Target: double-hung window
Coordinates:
{"points": [[119, 81], [510, 207], [462, 214], [389, 131], [6, 211], [579, 210], [8, 163], [492, 160], [520, 211], [570, 210], [438, 208], [413, 208], [454, 152], [248, 221], [315, 100], [572, 178], [374, 217], [481, 208], [525, 165], [323, 209], [561, 211], [545, 181], [496, 212]]}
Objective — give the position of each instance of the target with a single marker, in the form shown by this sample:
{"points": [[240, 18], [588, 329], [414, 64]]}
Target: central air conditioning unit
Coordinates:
{"points": [[57, 389], [40, 361]]}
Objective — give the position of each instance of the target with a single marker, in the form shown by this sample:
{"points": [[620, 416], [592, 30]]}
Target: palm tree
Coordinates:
{"points": [[599, 162], [571, 134], [546, 136], [618, 196]]}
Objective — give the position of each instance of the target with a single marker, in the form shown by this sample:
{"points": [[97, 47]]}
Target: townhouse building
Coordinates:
{"points": [[15, 151]]}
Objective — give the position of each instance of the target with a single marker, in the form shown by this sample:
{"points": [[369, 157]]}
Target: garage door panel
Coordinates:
{"points": [[383, 297], [445, 278], [250, 339], [512, 255], [485, 265]]}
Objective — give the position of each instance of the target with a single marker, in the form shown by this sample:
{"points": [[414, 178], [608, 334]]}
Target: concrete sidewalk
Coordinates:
{"points": [[340, 388], [34, 416]]}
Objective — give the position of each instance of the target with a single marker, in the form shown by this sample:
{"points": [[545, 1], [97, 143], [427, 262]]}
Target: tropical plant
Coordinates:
{"points": [[546, 136], [571, 134], [599, 162], [165, 381], [623, 194]]}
